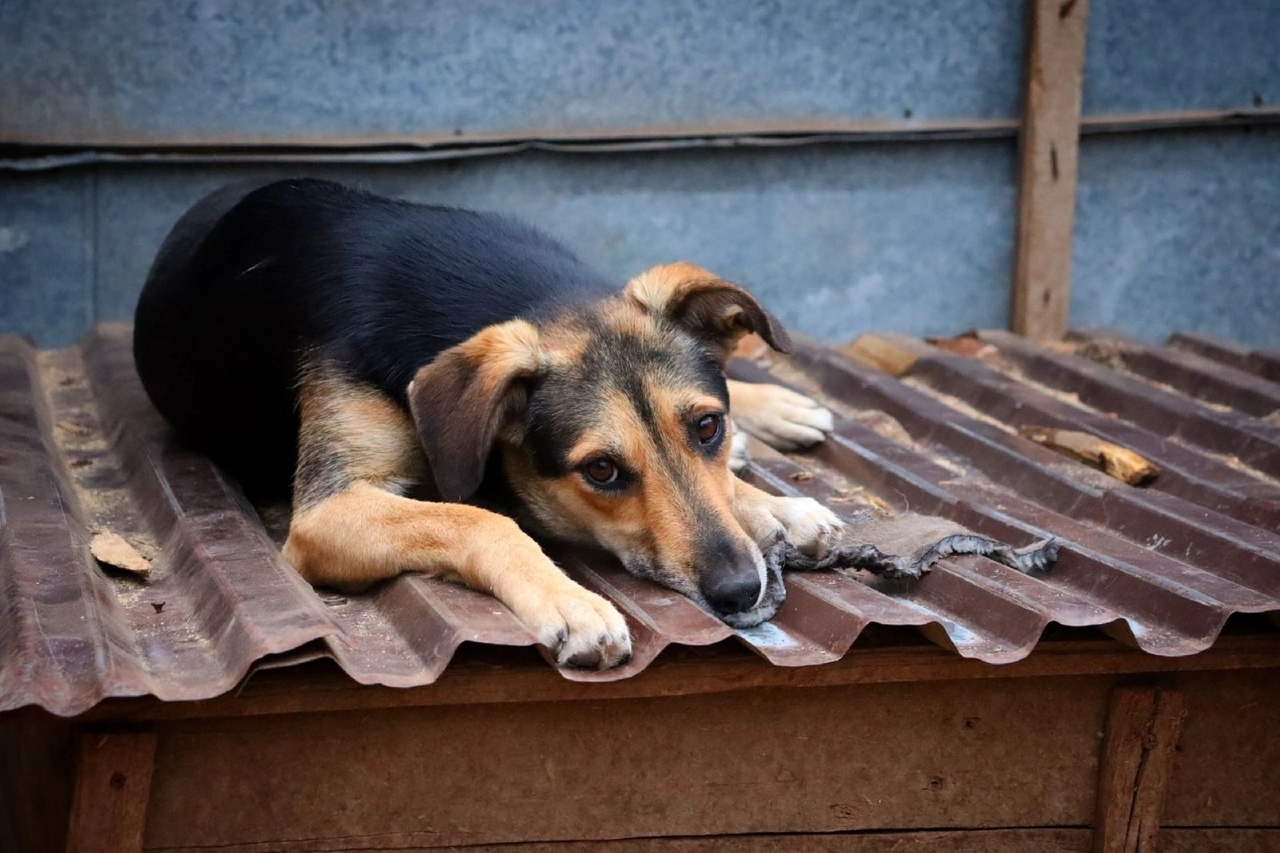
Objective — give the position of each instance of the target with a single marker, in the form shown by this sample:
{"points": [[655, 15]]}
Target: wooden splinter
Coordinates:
{"points": [[1114, 460]]}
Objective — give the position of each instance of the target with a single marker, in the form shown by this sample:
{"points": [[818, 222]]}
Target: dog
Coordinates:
{"points": [[432, 382]]}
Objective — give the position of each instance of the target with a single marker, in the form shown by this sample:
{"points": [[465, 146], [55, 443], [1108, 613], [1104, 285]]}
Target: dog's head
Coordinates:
{"points": [[611, 423]]}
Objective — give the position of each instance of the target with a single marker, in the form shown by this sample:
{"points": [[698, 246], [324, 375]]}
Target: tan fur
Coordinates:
{"points": [[658, 288], [778, 416], [803, 521], [366, 534], [504, 349], [376, 437], [352, 528], [718, 311], [563, 344]]}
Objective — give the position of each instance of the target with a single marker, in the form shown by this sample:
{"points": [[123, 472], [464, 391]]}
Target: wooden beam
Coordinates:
{"points": [[1048, 146], [889, 352], [1143, 726], [112, 789], [502, 676]]}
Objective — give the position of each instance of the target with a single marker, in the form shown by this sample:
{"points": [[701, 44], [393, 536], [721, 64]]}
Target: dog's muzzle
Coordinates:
{"points": [[732, 578]]}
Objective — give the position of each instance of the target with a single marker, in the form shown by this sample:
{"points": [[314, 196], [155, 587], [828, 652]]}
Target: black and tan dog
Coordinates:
{"points": [[394, 360]]}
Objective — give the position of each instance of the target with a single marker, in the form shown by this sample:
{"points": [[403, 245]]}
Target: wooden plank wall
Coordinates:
{"points": [[1001, 764], [1026, 757]]}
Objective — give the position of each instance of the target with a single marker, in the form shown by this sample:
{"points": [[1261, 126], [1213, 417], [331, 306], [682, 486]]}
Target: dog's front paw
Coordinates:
{"points": [[579, 627], [782, 418], [807, 525]]}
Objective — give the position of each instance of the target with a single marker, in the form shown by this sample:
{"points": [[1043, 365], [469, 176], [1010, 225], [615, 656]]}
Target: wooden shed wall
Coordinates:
{"points": [[993, 764]]}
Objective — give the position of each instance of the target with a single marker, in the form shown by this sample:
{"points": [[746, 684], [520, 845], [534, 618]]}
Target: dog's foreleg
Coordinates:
{"points": [[766, 518], [779, 417], [351, 527], [365, 534]]}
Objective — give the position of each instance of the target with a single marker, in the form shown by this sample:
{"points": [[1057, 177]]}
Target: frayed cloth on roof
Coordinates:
{"points": [[905, 547]]}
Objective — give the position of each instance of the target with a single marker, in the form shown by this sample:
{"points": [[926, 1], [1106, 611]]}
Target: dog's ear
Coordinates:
{"points": [[718, 311], [463, 397]]}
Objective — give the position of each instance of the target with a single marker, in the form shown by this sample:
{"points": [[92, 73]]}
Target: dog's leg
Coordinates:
{"points": [[805, 523], [365, 534], [351, 527], [779, 417]]}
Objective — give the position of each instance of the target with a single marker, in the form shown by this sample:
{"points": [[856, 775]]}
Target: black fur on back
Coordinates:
{"points": [[257, 281]]}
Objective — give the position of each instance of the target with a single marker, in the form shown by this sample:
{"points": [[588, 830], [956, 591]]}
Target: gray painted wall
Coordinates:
{"points": [[1166, 55], [200, 69], [1174, 230], [1180, 231], [837, 240]]}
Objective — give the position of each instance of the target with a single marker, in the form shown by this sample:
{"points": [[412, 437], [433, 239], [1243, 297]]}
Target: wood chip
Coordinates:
{"points": [[969, 346], [111, 549], [70, 428], [1116, 461], [889, 353]]}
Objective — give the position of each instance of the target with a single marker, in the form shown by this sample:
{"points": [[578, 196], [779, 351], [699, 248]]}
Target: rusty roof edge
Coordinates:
{"points": [[38, 555], [119, 667], [108, 375], [1264, 363]]}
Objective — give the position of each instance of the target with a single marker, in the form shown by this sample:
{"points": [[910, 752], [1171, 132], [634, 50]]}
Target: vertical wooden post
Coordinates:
{"points": [[1048, 146], [1143, 725], [112, 788]]}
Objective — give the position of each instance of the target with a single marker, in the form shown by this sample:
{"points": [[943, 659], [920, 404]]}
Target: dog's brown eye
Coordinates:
{"points": [[601, 471], [709, 428]]}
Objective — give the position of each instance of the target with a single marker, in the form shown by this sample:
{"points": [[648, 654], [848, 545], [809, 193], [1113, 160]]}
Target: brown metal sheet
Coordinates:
{"points": [[1228, 432], [989, 385], [82, 452], [1263, 363], [1191, 374]]}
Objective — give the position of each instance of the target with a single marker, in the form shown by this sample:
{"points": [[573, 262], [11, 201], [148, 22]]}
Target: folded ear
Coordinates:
{"points": [[718, 311], [463, 397]]}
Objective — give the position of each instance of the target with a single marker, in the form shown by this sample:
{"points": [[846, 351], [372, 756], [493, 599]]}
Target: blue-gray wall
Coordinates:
{"points": [[1175, 229]]}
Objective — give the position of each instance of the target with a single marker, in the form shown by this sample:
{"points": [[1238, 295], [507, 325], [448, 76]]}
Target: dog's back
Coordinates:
{"points": [[258, 282]]}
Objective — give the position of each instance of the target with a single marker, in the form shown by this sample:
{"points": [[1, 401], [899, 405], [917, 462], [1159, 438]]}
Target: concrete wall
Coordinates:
{"points": [[1174, 229]]}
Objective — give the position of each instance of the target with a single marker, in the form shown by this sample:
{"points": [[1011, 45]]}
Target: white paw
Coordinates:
{"points": [[806, 524], [739, 456], [782, 418], [579, 627]]}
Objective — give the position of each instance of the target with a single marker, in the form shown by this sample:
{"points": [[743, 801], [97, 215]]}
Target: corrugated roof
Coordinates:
{"points": [[81, 451]]}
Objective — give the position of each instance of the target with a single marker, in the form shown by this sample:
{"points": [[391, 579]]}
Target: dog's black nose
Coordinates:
{"points": [[731, 593]]}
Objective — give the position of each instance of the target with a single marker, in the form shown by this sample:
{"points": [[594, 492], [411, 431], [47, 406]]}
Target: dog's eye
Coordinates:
{"points": [[709, 427], [601, 471]]}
